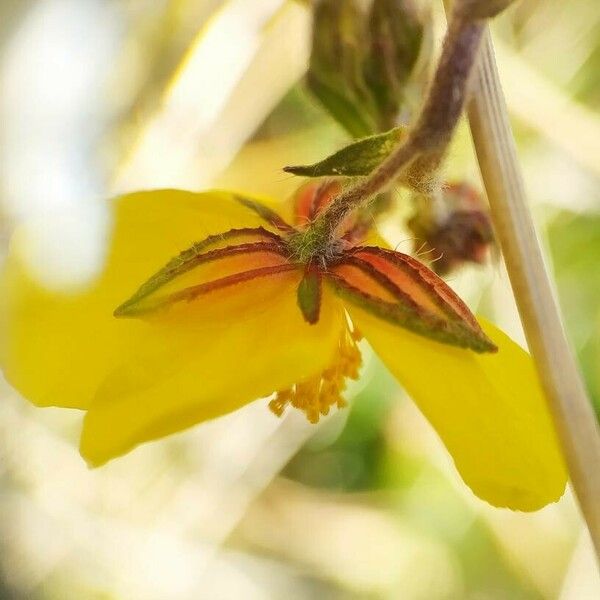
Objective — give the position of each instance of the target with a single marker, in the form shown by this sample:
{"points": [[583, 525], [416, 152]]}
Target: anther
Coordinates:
{"points": [[316, 396]]}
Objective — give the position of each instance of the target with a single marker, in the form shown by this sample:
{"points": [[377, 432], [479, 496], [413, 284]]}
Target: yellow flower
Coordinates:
{"points": [[176, 331]]}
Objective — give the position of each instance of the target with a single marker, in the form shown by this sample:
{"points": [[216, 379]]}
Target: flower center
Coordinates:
{"points": [[315, 396]]}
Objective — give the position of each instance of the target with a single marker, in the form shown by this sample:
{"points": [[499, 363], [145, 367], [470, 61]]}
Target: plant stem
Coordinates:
{"points": [[419, 156], [572, 412]]}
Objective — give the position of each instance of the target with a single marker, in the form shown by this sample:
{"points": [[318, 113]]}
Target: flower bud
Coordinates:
{"points": [[361, 61], [464, 234], [396, 37], [336, 65]]}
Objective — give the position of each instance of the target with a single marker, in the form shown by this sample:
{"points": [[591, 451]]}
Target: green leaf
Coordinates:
{"points": [[357, 159], [309, 295]]}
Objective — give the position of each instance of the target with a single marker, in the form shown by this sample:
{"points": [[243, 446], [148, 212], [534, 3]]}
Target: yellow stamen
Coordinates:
{"points": [[315, 396]]}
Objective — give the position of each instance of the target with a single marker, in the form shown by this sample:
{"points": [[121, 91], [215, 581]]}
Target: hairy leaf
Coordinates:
{"points": [[355, 160]]}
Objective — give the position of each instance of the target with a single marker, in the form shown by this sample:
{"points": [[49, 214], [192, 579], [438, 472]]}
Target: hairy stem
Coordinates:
{"points": [[419, 156]]}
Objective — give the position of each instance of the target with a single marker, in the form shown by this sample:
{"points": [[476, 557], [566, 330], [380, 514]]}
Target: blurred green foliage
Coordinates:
{"points": [[575, 248]]}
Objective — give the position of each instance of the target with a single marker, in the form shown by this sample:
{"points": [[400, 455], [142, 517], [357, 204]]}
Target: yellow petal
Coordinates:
{"points": [[208, 358], [488, 409], [57, 346]]}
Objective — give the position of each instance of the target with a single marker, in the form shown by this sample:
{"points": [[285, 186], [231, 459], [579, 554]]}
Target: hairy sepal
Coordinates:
{"points": [[355, 160], [309, 295], [230, 264], [312, 198], [398, 289], [265, 213]]}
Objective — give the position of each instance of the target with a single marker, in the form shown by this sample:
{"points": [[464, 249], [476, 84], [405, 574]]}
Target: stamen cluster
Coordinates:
{"points": [[315, 396]]}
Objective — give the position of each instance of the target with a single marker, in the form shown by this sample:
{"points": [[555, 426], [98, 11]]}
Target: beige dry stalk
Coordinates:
{"points": [[571, 409]]}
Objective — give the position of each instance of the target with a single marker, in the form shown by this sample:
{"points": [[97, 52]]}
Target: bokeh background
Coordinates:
{"points": [[98, 97]]}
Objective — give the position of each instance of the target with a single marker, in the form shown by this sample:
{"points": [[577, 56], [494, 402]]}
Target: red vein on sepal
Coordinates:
{"points": [[181, 265], [438, 290], [325, 194], [185, 259], [191, 293], [380, 278], [265, 213], [410, 315], [304, 205], [202, 245]]}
